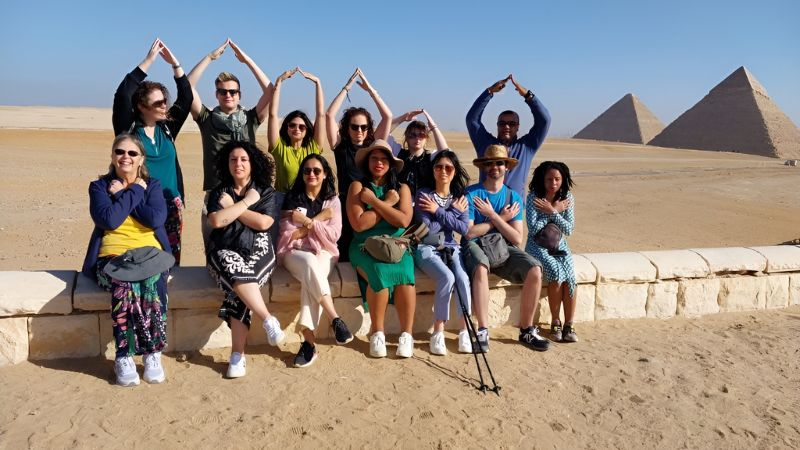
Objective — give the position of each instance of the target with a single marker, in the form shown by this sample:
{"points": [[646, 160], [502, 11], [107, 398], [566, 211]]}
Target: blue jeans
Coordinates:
{"points": [[430, 261]]}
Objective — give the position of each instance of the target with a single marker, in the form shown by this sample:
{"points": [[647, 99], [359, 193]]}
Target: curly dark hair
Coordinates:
{"points": [[141, 93], [391, 180], [537, 182], [328, 190], [284, 131], [460, 179], [344, 125], [262, 167]]}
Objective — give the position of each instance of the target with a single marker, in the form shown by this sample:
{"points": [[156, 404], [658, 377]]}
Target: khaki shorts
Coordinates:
{"points": [[514, 270]]}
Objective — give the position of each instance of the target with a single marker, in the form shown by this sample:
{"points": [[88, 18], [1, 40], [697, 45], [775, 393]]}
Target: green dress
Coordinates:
{"points": [[380, 275]]}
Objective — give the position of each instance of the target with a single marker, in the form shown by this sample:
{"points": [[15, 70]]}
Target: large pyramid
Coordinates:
{"points": [[628, 120], [736, 116]]}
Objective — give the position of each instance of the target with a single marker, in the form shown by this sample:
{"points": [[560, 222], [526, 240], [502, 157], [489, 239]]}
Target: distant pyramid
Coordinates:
{"points": [[736, 116], [628, 120]]}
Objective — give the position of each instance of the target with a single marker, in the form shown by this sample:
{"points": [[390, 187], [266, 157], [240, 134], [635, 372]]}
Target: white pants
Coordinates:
{"points": [[312, 272]]}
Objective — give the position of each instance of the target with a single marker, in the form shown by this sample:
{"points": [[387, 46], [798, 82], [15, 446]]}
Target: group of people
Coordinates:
{"points": [[285, 207]]}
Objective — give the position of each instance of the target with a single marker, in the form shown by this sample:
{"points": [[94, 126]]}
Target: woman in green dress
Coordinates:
{"points": [[376, 205]]}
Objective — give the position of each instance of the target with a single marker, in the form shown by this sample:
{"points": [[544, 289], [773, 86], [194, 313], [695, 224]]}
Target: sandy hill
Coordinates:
{"points": [[627, 120], [736, 116]]}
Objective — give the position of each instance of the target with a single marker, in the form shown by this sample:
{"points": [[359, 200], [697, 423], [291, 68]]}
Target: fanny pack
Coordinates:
{"points": [[390, 249], [548, 238]]}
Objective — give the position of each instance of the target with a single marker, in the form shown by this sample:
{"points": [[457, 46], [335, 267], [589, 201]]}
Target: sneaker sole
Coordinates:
{"points": [[128, 384], [345, 342], [277, 342], [377, 355], [309, 362], [158, 380], [234, 376]]}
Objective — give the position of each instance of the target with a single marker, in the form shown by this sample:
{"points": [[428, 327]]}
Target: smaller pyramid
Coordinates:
{"points": [[628, 120], [737, 115]]}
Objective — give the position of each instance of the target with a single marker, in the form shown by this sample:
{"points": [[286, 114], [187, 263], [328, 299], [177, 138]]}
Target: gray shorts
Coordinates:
{"points": [[514, 270]]}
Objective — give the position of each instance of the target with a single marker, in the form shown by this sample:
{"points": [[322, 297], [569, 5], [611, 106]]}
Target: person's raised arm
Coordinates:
{"points": [[331, 126], [385, 125], [478, 134], [122, 111], [179, 110], [541, 117], [406, 117], [319, 119], [261, 77], [197, 72], [152, 54], [441, 142], [273, 124]]}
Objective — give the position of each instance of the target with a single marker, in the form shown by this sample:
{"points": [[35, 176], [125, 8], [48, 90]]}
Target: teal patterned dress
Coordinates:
{"points": [[556, 269]]}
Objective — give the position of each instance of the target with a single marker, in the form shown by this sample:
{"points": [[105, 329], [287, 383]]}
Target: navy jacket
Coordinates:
{"points": [[108, 212]]}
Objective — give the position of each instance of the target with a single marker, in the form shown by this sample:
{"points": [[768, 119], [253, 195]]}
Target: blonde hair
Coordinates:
{"points": [[143, 173], [226, 76]]}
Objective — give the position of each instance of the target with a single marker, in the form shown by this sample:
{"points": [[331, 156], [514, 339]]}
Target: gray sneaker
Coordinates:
{"points": [[555, 331], [569, 334], [125, 369], [153, 370], [483, 340]]}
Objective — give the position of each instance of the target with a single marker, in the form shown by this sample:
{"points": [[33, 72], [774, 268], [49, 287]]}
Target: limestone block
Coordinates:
{"points": [[108, 347], [677, 264], [286, 288], [88, 296], [352, 312], [622, 267], [732, 259], [13, 340], [777, 291], [794, 289], [662, 299], [504, 306], [542, 315], [620, 301], [423, 283], [74, 336], [780, 258], [36, 292], [698, 297], [349, 282], [743, 293], [194, 288], [198, 328], [584, 307], [584, 270]]}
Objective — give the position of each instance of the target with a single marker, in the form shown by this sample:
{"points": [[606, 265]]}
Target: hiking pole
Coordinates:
{"points": [[447, 254]]}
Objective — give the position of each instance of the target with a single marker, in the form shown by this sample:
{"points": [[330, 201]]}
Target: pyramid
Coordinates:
{"points": [[736, 116], [628, 120]]}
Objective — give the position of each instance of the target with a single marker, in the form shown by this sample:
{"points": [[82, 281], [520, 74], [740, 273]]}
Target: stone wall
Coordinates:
{"points": [[62, 314]]}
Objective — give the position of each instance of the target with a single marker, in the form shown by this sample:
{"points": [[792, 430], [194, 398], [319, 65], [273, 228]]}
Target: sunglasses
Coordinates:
{"points": [[418, 135], [299, 126], [308, 170], [356, 127], [446, 167], [131, 153], [503, 123], [499, 163], [230, 92], [159, 103]]}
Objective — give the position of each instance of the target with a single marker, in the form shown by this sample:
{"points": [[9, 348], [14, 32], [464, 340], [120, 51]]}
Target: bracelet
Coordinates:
{"points": [[344, 88], [432, 127], [176, 66]]}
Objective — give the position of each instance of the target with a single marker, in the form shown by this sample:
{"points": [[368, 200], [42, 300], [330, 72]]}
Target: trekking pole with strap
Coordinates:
{"points": [[447, 256]]}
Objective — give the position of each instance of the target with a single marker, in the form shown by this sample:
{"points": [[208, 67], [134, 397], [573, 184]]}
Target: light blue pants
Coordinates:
{"points": [[428, 260]]}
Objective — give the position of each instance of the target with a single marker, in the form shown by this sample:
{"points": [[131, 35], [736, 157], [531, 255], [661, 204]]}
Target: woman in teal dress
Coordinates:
{"points": [[378, 204]]}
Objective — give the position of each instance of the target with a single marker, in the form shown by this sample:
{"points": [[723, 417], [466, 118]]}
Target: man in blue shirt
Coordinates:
{"points": [[495, 208], [522, 149]]}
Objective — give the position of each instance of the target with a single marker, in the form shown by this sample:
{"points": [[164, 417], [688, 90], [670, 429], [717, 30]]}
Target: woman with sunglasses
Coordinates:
{"points": [[128, 210], [241, 256], [311, 223], [442, 206], [140, 107], [416, 158], [354, 131], [377, 205]]}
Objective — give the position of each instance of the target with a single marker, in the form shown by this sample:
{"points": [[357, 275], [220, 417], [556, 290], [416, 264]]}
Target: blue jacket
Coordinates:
{"points": [[108, 212]]}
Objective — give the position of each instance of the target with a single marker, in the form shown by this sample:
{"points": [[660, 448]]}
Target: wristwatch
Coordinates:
{"points": [[529, 95]]}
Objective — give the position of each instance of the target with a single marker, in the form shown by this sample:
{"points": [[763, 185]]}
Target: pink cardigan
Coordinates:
{"points": [[322, 236]]}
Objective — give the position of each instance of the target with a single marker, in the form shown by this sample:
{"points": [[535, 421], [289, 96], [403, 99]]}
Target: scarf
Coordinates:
{"points": [[233, 123]]}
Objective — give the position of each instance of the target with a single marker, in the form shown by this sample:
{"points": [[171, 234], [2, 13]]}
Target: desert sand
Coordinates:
{"points": [[723, 381]]}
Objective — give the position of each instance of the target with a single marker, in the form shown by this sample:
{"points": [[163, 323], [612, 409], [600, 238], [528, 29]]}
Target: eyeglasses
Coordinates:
{"points": [[131, 153], [503, 123], [446, 167], [418, 135], [159, 103], [498, 163], [299, 126], [223, 92], [308, 170], [356, 127]]}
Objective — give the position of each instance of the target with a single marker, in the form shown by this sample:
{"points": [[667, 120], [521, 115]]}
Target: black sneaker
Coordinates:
{"points": [[306, 356], [343, 335], [569, 333], [531, 338]]}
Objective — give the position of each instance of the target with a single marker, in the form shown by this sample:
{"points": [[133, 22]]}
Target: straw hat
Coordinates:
{"points": [[496, 152], [382, 145]]}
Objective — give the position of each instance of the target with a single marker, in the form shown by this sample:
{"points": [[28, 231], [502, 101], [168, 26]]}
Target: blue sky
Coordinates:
{"points": [[579, 57]]}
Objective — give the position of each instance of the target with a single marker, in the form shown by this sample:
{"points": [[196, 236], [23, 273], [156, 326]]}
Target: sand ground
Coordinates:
{"points": [[724, 381]]}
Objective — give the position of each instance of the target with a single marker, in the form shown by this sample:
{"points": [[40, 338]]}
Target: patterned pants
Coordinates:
{"points": [[174, 226]]}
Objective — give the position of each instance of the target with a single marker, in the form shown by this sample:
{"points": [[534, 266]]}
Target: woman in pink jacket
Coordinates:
{"points": [[311, 223]]}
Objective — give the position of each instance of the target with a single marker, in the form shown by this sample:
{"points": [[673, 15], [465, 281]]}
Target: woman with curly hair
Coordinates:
{"points": [[311, 223], [550, 200], [355, 130], [241, 256]]}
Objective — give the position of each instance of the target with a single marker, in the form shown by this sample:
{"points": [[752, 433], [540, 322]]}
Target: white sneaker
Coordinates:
{"points": [[377, 345], [153, 370], [464, 342], [275, 334], [125, 369], [405, 345], [237, 366], [437, 344]]}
